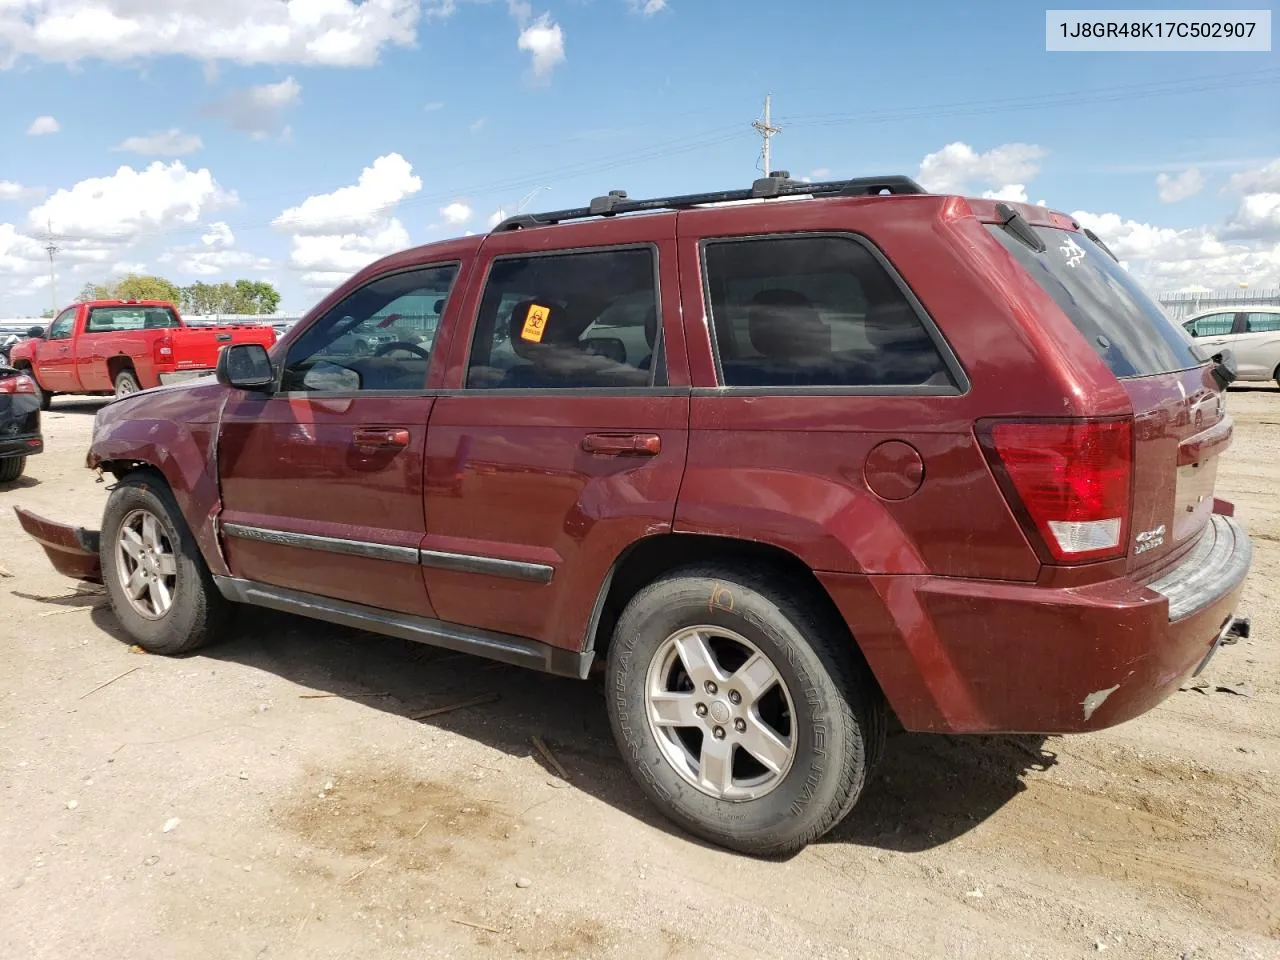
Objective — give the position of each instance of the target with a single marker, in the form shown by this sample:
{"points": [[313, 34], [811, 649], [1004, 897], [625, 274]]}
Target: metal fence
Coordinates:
{"points": [[1182, 305]]}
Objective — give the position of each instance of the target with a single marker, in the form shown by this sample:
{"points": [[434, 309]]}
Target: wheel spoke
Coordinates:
{"points": [[672, 710], [716, 764], [160, 596], [765, 745], [699, 662], [168, 565], [130, 542], [151, 532], [754, 678], [136, 585]]}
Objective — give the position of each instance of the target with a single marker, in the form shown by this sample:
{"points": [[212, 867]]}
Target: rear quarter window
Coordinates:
{"points": [[1127, 329]]}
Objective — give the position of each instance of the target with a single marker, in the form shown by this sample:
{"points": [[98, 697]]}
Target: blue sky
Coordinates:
{"points": [[230, 114]]}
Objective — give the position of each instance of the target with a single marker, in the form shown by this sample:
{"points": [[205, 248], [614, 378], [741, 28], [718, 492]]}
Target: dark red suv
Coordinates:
{"points": [[784, 466]]}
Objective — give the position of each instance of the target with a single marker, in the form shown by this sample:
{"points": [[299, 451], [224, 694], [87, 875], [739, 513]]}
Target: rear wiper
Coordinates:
{"points": [[1017, 225], [1098, 241]]}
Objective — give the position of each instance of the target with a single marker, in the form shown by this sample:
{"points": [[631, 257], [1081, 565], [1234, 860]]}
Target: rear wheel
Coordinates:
{"points": [[158, 583], [126, 382], [11, 468], [742, 708]]}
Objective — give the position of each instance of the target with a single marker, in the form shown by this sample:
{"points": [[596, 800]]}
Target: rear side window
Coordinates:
{"points": [[1261, 322], [569, 321], [1110, 309], [116, 319], [814, 311], [1214, 325]]}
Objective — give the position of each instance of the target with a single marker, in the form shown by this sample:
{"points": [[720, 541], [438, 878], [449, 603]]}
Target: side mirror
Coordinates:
{"points": [[36, 333], [245, 366]]}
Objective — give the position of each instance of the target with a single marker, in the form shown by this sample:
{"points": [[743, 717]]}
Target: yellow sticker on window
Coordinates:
{"points": [[535, 323]]}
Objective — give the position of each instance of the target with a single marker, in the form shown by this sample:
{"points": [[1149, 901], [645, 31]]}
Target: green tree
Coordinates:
{"points": [[96, 291], [133, 286], [243, 296]]}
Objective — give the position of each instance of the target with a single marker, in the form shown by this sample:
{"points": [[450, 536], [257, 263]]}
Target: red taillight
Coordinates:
{"points": [[164, 350], [19, 384], [1072, 479]]}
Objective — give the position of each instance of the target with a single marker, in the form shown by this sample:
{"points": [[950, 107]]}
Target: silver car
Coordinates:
{"points": [[1252, 333]]}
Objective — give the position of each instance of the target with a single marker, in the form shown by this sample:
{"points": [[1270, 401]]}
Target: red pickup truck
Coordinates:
{"points": [[123, 346]]}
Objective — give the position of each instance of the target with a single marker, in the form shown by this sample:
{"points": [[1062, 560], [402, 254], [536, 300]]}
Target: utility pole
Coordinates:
{"points": [[52, 248], [767, 130]]}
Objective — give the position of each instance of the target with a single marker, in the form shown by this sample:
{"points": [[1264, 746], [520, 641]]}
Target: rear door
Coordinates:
{"points": [[322, 481], [563, 441], [1257, 348], [1214, 329], [1180, 422]]}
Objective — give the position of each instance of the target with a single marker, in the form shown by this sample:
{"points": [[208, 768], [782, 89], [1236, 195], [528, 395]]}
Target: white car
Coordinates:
{"points": [[1252, 333]]}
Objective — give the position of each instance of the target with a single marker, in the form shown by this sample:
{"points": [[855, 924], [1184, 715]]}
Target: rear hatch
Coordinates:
{"points": [[1180, 423]]}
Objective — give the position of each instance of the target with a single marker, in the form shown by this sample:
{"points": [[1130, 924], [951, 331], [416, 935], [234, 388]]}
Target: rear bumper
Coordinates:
{"points": [[965, 656], [21, 446], [182, 376]]}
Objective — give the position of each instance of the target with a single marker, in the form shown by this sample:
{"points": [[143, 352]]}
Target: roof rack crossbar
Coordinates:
{"points": [[777, 185]]}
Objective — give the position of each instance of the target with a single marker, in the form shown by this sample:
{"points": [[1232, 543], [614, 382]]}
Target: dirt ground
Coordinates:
{"points": [[217, 806]]}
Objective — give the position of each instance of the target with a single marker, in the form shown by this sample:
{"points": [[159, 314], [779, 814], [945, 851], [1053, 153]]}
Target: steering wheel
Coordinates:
{"points": [[413, 348]]}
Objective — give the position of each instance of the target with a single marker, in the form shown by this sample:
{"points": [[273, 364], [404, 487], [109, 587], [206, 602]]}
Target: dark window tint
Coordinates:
{"points": [[1214, 325], [1109, 308], [112, 319], [378, 338], [60, 329], [578, 320], [814, 312], [1261, 322]]}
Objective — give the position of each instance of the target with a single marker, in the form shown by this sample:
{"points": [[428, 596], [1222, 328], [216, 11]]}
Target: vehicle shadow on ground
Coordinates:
{"points": [[927, 791], [78, 405], [21, 483]]}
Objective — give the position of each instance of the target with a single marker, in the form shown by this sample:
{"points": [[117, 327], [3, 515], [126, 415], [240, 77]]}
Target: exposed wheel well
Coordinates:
{"points": [[649, 559], [117, 365]]}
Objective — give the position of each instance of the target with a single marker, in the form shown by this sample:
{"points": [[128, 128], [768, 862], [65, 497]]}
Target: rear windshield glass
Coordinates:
{"points": [[1125, 326], [113, 319]]}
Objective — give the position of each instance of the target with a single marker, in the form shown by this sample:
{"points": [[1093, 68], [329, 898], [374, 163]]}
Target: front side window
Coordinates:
{"points": [[378, 338], [569, 321], [114, 319], [814, 311], [1261, 322], [1214, 325], [60, 329]]}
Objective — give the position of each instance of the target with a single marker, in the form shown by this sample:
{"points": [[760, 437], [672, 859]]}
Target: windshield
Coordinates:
{"points": [[1131, 333]]}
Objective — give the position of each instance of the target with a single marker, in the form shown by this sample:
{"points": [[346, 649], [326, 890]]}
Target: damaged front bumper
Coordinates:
{"points": [[73, 551]]}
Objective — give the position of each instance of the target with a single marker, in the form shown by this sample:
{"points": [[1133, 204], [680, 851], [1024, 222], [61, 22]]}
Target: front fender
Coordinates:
{"points": [[175, 432]]}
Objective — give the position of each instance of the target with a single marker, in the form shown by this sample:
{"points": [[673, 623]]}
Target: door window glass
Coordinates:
{"points": [[1261, 322], [1214, 325], [61, 328], [378, 338]]}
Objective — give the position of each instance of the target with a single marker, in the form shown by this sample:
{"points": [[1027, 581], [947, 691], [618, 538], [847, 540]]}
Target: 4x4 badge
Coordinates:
{"points": [[1149, 540]]}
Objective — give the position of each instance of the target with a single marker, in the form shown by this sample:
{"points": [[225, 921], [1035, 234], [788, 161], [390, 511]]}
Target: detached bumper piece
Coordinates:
{"points": [[73, 551]]}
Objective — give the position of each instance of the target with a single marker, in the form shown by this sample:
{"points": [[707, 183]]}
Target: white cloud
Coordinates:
{"points": [[16, 191], [322, 32], [520, 10], [1175, 188], [1012, 192], [258, 111], [497, 217], [42, 126], [219, 235], [170, 143], [477, 125], [1257, 216], [957, 166], [545, 41], [124, 267], [647, 7], [1265, 180], [348, 252], [456, 213], [128, 203], [382, 185], [19, 254], [433, 106]]}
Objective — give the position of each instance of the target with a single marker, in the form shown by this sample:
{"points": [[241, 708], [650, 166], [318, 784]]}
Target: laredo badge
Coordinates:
{"points": [[535, 323]]}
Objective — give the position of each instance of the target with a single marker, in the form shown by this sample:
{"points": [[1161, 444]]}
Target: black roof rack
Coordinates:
{"points": [[777, 184]]}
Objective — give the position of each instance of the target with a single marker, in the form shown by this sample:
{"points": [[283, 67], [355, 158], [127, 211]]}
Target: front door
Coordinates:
{"points": [[322, 480], [55, 358], [564, 438]]}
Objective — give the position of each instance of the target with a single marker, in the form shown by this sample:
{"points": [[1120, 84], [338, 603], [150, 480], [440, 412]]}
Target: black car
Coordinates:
{"points": [[19, 422]]}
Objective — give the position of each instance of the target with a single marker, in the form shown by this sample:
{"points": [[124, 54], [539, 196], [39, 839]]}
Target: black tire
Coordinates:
{"points": [[837, 725], [126, 382], [198, 612], [11, 468]]}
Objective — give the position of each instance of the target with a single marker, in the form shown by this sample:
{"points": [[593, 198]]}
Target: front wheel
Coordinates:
{"points": [[742, 708], [159, 586], [126, 382], [11, 468]]}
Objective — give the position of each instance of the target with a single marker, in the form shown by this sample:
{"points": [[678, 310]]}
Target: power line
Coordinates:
{"points": [[52, 248]]}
